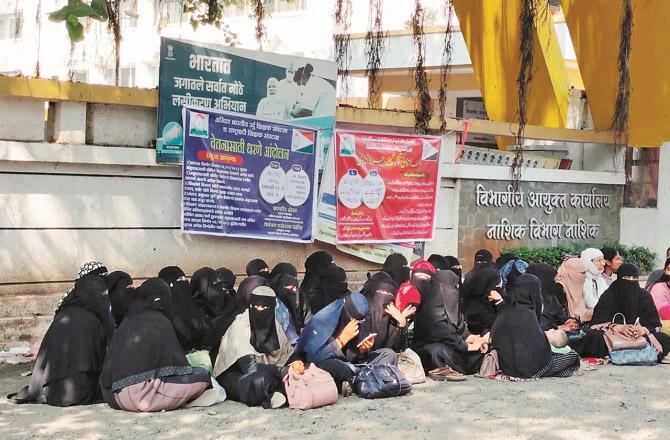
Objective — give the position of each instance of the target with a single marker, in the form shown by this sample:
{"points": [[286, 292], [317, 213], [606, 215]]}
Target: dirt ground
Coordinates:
{"points": [[611, 403]]}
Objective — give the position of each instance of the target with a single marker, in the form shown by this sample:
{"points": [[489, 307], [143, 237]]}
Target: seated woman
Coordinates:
{"points": [[190, 322], [613, 261], [384, 318], [481, 296], [335, 340], [660, 292], [310, 288], [624, 296], [396, 265], [146, 369], [554, 315], [333, 285], [252, 353], [523, 348], [258, 267], [595, 285], [288, 293], [441, 338], [70, 358], [571, 275], [119, 286]]}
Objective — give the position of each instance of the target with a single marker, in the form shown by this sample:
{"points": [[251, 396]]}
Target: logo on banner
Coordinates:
{"points": [[347, 145], [429, 152], [199, 125], [303, 141]]}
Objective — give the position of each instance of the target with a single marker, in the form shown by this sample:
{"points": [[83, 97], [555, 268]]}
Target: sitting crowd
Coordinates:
{"points": [[134, 347]]}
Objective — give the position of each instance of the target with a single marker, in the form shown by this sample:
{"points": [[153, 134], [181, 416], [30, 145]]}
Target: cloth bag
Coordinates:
{"points": [[490, 367], [312, 389], [200, 359], [646, 356], [410, 364], [617, 341], [377, 381]]}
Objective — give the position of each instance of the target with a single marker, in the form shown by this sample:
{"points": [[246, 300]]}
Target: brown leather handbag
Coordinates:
{"points": [[490, 367], [615, 340]]}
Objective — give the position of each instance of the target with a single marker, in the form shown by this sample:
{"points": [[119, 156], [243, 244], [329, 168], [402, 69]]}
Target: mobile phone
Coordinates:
{"points": [[371, 336]]}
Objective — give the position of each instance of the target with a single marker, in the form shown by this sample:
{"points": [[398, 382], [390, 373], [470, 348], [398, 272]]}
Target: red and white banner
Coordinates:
{"points": [[386, 186]]}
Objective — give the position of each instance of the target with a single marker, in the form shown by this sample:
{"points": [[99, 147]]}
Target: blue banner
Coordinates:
{"points": [[245, 176]]}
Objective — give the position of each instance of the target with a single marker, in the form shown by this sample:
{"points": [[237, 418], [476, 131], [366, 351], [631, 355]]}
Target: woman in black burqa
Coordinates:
{"points": [[554, 315], [397, 266], [120, 294], [311, 287], [523, 348], [190, 322], [70, 357], [286, 287], [383, 317], [627, 297], [481, 296], [441, 337], [146, 369], [253, 352]]}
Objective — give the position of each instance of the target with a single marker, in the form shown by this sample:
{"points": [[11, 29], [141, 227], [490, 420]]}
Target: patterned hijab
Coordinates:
{"points": [[90, 268]]}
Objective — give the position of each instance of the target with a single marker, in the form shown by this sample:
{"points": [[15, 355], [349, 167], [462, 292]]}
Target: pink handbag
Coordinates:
{"points": [[312, 389]]}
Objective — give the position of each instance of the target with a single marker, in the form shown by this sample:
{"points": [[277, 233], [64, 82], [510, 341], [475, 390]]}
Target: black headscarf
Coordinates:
{"points": [[523, 348], [258, 267], [396, 265], [438, 318], [455, 266], [171, 274], [190, 322], [315, 266], [120, 294], [264, 337], [283, 269], [334, 285], [207, 291], [379, 291], [438, 262], [75, 340], [627, 297], [145, 344], [90, 268], [285, 287], [479, 312], [553, 313]]}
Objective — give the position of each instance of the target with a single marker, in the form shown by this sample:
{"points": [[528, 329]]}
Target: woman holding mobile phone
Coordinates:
{"points": [[337, 337]]}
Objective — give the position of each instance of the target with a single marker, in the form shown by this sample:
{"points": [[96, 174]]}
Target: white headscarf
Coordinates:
{"points": [[595, 285]]}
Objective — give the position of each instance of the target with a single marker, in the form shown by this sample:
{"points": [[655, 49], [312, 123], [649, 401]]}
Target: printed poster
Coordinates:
{"points": [[270, 86], [326, 224], [386, 186], [250, 177]]}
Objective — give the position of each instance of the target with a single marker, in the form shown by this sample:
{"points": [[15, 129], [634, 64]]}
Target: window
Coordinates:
{"points": [[81, 76], [642, 191], [10, 26], [169, 12], [126, 77], [275, 6], [129, 14]]}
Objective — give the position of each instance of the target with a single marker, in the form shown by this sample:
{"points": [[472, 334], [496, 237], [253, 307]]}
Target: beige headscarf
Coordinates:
{"points": [[572, 275]]}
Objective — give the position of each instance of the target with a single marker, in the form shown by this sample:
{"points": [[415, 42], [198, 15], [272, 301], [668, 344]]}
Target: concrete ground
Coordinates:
{"points": [[611, 403]]}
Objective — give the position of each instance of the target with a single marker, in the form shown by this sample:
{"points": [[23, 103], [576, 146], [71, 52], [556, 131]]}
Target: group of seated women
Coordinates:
{"points": [[127, 345]]}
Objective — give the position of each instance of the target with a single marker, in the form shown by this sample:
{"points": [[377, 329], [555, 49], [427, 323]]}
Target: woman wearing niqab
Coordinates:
{"points": [[253, 351], [311, 287], [146, 369], [441, 337], [523, 348], [480, 305], [70, 358]]}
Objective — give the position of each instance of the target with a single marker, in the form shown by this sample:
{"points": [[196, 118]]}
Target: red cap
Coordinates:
{"points": [[423, 266], [407, 294]]}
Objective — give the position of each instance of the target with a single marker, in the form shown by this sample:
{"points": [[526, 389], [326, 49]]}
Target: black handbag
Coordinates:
{"points": [[376, 381]]}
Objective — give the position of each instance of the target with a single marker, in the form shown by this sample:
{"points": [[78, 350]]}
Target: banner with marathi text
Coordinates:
{"points": [[268, 85], [245, 176], [386, 186]]}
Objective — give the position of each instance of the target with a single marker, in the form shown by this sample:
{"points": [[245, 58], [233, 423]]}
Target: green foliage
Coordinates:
{"points": [[76, 9], [640, 256]]}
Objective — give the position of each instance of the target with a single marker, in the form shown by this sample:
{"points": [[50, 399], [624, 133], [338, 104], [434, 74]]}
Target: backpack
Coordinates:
{"points": [[377, 381]]}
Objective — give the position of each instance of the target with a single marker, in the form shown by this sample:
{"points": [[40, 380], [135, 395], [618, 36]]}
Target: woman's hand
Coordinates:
{"points": [[495, 297], [569, 325], [400, 317], [298, 367], [349, 332]]}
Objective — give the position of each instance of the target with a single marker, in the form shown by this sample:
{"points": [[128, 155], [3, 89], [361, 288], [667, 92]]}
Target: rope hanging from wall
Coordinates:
{"points": [[343, 41], [445, 67], [374, 50], [423, 107]]}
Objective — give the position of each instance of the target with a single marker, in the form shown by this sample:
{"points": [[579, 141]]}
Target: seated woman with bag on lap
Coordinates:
{"points": [[253, 351], [625, 297], [336, 338]]}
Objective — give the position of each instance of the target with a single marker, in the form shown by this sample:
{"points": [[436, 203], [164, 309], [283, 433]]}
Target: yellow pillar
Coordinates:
{"points": [[492, 30]]}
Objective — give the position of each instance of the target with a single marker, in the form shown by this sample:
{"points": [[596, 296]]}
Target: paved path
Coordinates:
{"points": [[611, 403]]}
